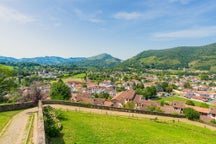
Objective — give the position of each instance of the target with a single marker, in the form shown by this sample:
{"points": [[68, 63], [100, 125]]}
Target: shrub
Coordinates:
{"points": [[153, 109], [191, 114], [190, 102], [51, 122]]}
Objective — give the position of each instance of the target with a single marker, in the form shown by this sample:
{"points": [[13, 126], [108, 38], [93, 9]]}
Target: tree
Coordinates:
{"points": [[169, 88], [190, 102], [6, 81], [149, 92], [59, 90], [191, 114], [187, 85], [129, 105], [204, 77]]}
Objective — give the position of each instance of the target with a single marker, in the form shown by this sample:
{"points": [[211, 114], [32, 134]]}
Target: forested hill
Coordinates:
{"points": [[102, 60], [194, 57]]}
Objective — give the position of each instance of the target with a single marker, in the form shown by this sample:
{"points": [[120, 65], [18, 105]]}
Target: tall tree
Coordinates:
{"points": [[6, 81], [59, 90]]}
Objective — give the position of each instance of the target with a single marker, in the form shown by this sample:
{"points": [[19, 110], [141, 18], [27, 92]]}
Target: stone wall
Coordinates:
{"points": [[110, 108], [41, 131], [16, 106]]}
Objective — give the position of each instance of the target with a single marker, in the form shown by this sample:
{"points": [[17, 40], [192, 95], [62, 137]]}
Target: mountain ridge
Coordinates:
{"points": [[194, 57], [104, 60]]}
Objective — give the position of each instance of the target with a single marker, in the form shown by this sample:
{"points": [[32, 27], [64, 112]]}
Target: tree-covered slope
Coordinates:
{"points": [[200, 57], [102, 60]]}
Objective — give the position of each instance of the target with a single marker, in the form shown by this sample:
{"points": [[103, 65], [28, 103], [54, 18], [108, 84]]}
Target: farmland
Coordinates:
{"points": [[94, 129]]}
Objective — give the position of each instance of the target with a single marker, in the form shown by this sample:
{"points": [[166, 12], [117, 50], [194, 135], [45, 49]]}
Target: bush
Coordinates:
{"points": [[153, 109], [51, 122], [191, 114], [190, 102]]}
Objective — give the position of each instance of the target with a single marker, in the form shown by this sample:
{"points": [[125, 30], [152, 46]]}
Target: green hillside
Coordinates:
{"points": [[199, 58], [102, 60]]}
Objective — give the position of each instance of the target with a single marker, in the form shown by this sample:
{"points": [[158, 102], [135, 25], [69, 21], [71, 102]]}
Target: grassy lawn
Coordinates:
{"points": [[176, 98], [86, 128], [78, 77], [5, 117]]}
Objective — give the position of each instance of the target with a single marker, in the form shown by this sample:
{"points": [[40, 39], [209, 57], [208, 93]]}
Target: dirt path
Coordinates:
{"points": [[161, 118], [16, 132]]}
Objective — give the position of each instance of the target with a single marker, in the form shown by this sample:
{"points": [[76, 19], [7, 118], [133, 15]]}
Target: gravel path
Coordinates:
{"points": [[161, 118], [16, 132]]}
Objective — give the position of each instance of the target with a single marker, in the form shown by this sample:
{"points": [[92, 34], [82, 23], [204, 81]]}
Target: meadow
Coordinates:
{"points": [[176, 98], [87, 128]]}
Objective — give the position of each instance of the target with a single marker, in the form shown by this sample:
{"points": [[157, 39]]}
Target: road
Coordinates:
{"points": [[16, 132]]}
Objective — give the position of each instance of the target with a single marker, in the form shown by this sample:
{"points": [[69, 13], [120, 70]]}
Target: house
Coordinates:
{"points": [[178, 106], [202, 111], [108, 103], [85, 97], [212, 113], [199, 98], [169, 109], [142, 105], [123, 98], [201, 93], [99, 101], [202, 88]]}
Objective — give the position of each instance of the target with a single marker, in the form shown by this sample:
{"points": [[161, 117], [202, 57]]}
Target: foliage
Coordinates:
{"points": [[190, 102], [187, 85], [52, 123], [204, 77], [7, 83], [164, 87], [213, 121], [129, 105], [120, 89], [191, 114], [153, 109], [59, 90], [102, 95], [149, 92], [202, 58]]}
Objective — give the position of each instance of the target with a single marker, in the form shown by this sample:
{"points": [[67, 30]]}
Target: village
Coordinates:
{"points": [[119, 91]]}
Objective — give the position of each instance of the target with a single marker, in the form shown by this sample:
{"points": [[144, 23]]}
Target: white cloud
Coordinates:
{"points": [[127, 15], [188, 33], [9, 15]]}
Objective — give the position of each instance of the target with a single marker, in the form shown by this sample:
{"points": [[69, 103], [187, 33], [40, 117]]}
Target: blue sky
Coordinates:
{"points": [[122, 28]]}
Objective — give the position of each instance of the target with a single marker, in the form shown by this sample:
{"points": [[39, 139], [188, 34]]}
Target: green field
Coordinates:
{"points": [[5, 117], [78, 77], [86, 128], [176, 98]]}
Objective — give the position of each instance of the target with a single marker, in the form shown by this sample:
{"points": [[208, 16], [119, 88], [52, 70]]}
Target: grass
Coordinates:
{"points": [[87, 128], [5, 117], [78, 77], [176, 98]]}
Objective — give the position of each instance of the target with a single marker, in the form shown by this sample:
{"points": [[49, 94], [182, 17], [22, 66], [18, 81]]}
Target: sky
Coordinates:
{"points": [[84, 28]]}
